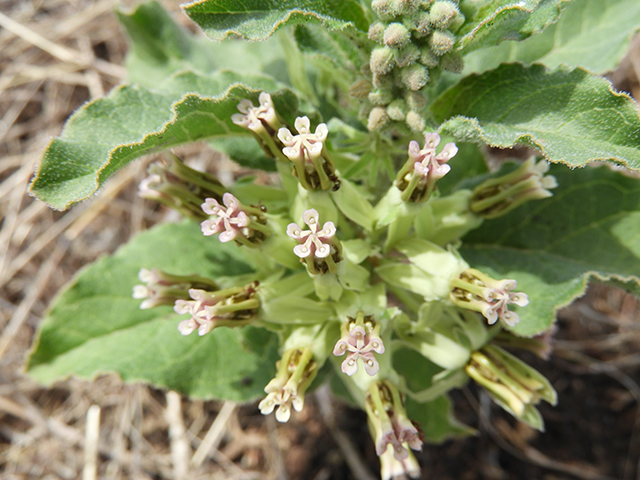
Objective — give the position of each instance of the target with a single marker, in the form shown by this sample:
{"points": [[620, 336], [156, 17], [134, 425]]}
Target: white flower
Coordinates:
{"points": [[312, 240], [426, 162], [305, 144], [255, 118], [230, 221], [360, 343]]}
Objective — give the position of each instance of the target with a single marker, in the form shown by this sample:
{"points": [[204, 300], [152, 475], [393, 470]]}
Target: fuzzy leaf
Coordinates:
{"points": [[570, 115], [499, 20], [589, 229], [259, 19], [335, 47], [95, 326], [590, 33], [108, 133]]}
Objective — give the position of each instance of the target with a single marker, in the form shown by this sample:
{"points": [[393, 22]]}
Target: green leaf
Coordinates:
{"points": [[437, 420], [95, 326], [570, 115], [259, 19], [108, 133], [499, 20], [338, 48], [160, 47], [590, 33], [589, 229]]}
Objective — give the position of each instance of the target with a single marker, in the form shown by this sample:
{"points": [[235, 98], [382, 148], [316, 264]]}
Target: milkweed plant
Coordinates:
{"points": [[367, 244]]}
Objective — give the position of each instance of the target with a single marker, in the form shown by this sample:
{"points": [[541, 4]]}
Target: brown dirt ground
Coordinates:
{"points": [[55, 55]]}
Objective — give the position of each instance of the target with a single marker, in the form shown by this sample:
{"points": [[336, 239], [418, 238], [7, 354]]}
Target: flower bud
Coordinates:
{"points": [[452, 62], [441, 42], [396, 35], [376, 32], [427, 58], [407, 55], [385, 9], [164, 289], [380, 97], [397, 110], [414, 77], [416, 122], [381, 61], [360, 89], [180, 187], [378, 118], [511, 383], [406, 7], [415, 100], [421, 24], [442, 14], [500, 195]]}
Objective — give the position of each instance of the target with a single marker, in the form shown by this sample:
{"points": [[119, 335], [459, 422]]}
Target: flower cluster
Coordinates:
{"points": [[311, 162], [296, 371], [318, 249], [162, 288], [500, 195], [476, 291], [416, 41], [418, 177], [234, 221], [388, 421], [360, 338], [180, 187], [230, 307]]}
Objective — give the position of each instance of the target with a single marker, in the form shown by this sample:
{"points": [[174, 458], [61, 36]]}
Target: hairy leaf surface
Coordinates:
{"points": [[499, 20], [589, 229], [95, 326], [570, 115], [106, 134], [259, 19], [160, 47], [593, 34]]}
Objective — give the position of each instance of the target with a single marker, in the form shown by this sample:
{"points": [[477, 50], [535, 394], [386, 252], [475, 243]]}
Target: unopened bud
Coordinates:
{"points": [[416, 122], [360, 89], [383, 81], [427, 58], [376, 32], [381, 61], [415, 100], [396, 35], [384, 8], [414, 77], [380, 97], [442, 13], [397, 110], [406, 7], [421, 24], [407, 56], [378, 118], [452, 62], [441, 42]]}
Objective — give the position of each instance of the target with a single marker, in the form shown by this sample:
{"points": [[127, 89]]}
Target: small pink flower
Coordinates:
{"points": [[305, 144], [202, 317], [312, 240], [230, 221], [255, 118], [426, 162], [499, 297], [360, 344]]}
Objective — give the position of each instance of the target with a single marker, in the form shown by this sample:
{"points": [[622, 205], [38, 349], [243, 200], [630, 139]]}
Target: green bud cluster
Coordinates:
{"points": [[416, 40]]}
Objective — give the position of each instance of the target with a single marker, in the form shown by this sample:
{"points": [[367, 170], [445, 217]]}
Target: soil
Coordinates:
{"points": [[144, 433]]}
